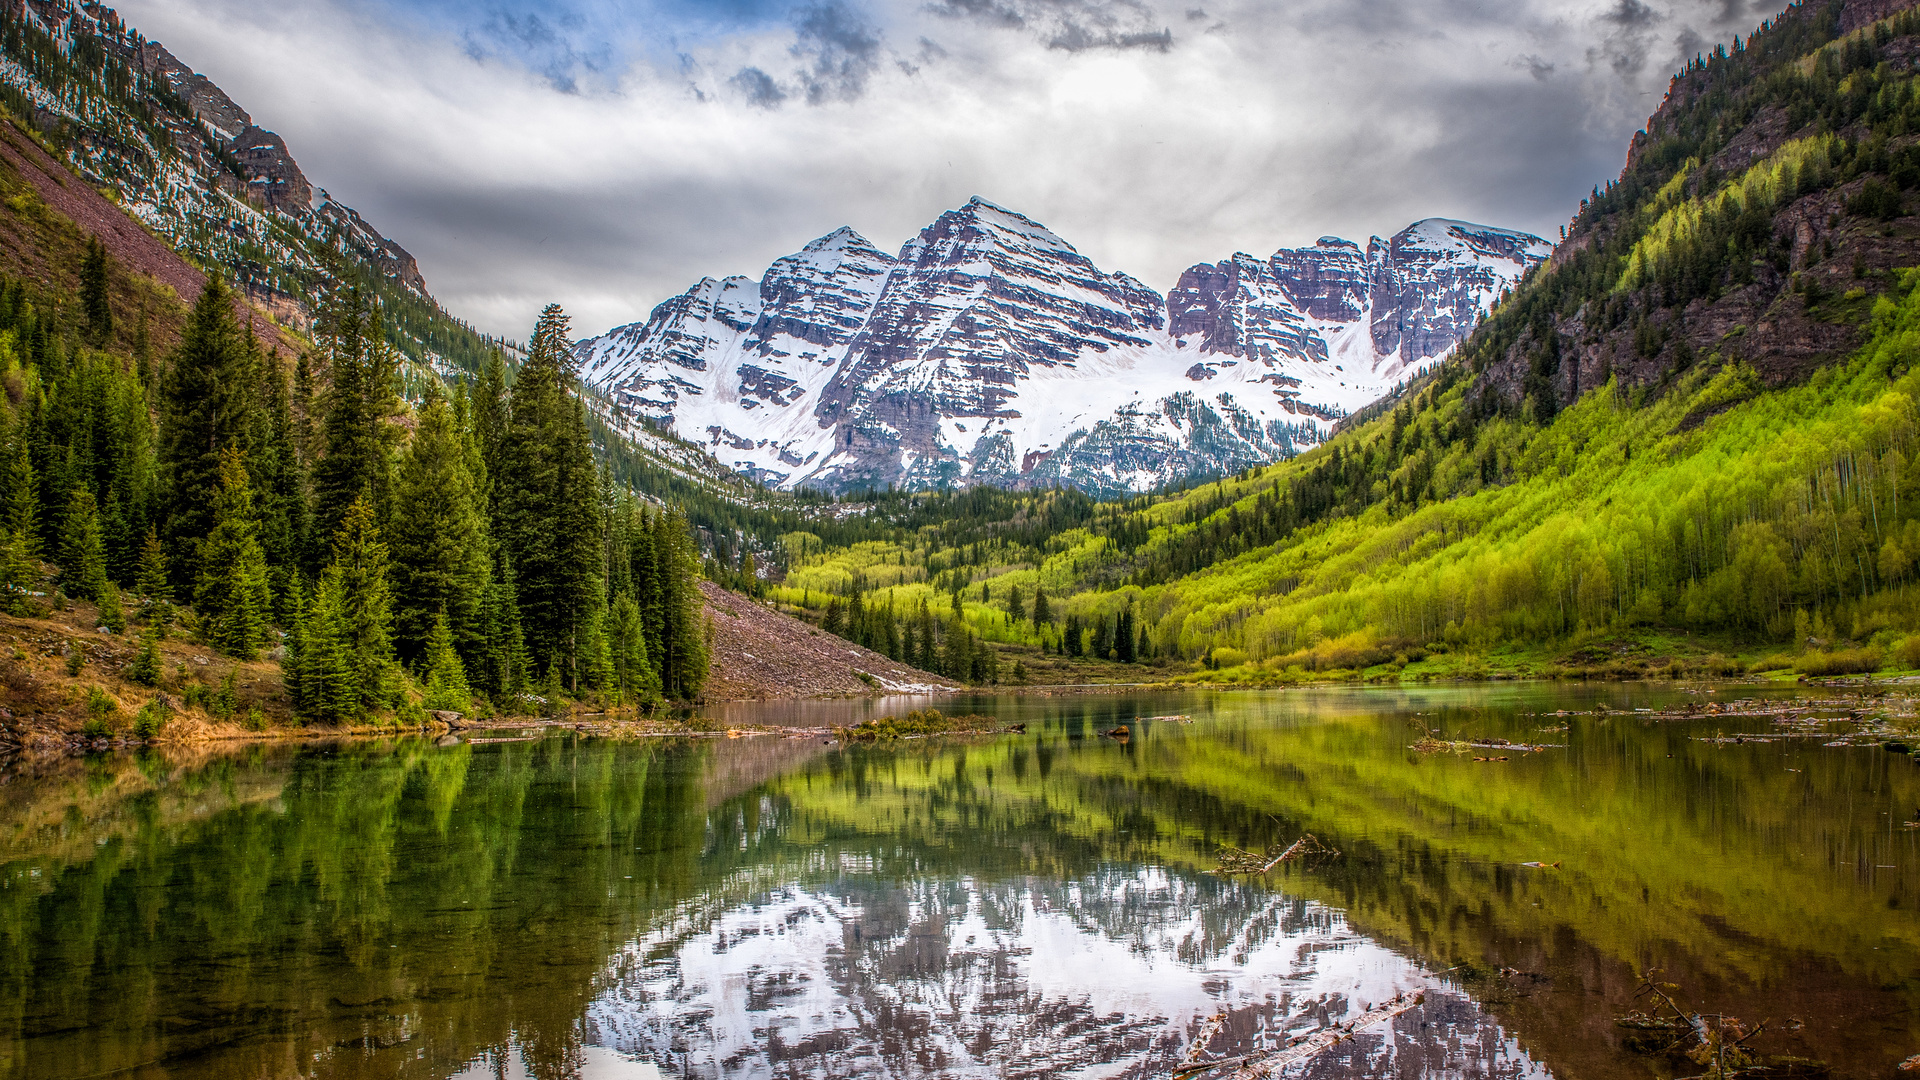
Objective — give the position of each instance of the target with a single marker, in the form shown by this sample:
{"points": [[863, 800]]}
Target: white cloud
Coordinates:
{"points": [[608, 162]]}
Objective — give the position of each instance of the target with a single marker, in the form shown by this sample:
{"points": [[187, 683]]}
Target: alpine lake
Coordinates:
{"points": [[1045, 903]]}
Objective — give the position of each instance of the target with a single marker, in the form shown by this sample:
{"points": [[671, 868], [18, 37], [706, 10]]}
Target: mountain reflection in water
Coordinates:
{"points": [[1109, 975], [1033, 905]]}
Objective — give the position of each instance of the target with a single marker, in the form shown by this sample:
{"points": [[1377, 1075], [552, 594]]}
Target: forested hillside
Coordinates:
{"points": [[460, 551], [1695, 422]]}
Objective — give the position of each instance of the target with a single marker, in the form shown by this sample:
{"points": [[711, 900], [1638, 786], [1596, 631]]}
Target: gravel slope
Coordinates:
{"points": [[760, 653]]}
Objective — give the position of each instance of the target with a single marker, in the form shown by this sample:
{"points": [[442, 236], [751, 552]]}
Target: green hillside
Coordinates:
{"points": [[1689, 434]]}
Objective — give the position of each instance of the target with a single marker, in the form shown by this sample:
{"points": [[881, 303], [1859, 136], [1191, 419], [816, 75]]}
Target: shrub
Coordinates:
{"points": [[1720, 666], [151, 719], [255, 721], [1839, 662], [1225, 657], [1907, 653], [224, 702], [1776, 662], [195, 694], [101, 703], [76, 660]]}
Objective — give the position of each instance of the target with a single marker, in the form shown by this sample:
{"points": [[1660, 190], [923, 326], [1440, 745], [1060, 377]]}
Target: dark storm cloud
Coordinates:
{"points": [[1629, 37], [759, 88], [1071, 25], [843, 49], [708, 137]]}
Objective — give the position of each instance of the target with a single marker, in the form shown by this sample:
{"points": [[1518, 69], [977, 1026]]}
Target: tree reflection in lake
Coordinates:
{"points": [[1015, 906]]}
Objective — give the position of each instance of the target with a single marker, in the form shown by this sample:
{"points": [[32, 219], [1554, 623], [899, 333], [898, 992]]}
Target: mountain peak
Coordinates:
{"points": [[991, 351]]}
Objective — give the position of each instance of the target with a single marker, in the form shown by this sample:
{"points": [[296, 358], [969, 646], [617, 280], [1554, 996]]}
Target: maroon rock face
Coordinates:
{"points": [[1435, 277], [821, 295], [1329, 281], [974, 303], [1239, 307], [274, 179]]}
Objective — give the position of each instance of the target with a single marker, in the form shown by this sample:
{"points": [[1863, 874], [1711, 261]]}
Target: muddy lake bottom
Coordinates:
{"points": [[1040, 904]]}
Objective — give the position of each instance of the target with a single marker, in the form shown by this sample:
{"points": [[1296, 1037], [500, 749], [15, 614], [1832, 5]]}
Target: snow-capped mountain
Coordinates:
{"points": [[991, 351]]}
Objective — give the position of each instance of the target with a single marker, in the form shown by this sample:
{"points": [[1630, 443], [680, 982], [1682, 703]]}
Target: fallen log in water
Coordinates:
{"points": [[1303, 1047], [1235, 861]]}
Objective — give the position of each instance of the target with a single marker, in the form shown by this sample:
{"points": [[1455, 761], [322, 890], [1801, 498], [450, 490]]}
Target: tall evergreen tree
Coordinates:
{"points": [[438, 536], [231, 594], [349, 433], [95, 307], [279, 477], [205, 400], [446, 677], [360, 594], [633, 674], [152, 582], [680, 643], [501, 667], [83, 549], [490, 424], [547, 491]]}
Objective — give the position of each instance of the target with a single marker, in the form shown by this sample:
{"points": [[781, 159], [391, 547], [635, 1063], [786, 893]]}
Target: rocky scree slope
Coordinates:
{"points": [[989, 350], [760, 653]]}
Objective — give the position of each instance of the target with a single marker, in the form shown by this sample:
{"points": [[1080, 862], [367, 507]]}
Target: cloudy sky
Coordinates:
{"points": [[607, 153]]}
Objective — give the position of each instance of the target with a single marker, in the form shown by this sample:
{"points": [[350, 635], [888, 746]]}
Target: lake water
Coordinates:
{"points": [[1032, 905]]}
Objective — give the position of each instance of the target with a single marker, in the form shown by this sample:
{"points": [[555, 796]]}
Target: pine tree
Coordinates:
{"points": [[502, 667], [94, 305], [204, 409], [633, 673], [328, 679], [928, 659], [231, 594], [360, 590], [19, 573], [354, 432], [596, 651], [957, 661], [293, 664], [490, 424], [438, 537], [152, 582], [1123, 640], [680, 644], [280, 478], [112, 615], [1041, 615], [548, 496], [145, 667], [554, 693], [446, 677], [83, 550]]}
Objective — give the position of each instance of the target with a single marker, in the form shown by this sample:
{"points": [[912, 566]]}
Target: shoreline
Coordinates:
{"points": [[685, 719]]}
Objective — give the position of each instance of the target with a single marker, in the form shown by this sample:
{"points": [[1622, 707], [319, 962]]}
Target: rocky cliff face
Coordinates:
{"points": [[991, 351], [185, 159]]}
